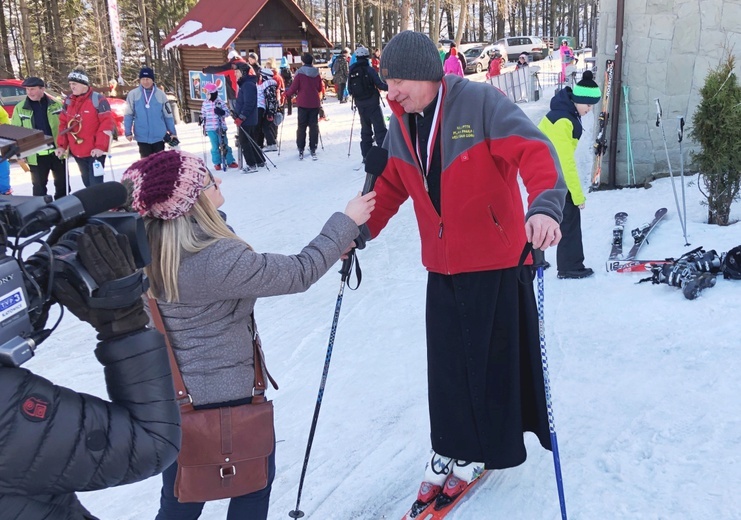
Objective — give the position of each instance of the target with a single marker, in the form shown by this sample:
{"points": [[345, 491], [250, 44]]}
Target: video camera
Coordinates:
{"points": [[26, 282]]}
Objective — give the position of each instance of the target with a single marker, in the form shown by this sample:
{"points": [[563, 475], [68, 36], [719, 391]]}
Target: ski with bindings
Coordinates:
{"points": [[430, 513], [641, 234], [600, 145], [635, 266], [617, 235], [223, 143]]}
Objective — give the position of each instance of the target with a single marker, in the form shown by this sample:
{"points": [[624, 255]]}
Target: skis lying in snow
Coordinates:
{"points": [[634, 266], [641, 234], [629, 264], [617, 236], [430, 513]]}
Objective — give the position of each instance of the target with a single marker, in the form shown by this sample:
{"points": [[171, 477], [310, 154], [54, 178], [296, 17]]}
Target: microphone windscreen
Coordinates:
{"points": [[102, 197], [375, 160]]}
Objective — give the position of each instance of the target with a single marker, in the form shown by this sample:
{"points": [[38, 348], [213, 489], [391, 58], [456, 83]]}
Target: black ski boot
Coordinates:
{"points": [[692, 287], [686, 275]]}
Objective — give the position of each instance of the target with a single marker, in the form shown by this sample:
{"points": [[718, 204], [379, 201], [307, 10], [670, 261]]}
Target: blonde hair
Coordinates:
{"points": [[201, 227]]}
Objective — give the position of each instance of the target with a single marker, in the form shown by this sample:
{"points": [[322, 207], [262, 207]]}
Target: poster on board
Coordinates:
{"points": [[198, 79], [270, 50]]}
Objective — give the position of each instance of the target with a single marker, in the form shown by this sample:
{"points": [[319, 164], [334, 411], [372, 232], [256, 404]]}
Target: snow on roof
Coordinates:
{"points": [[192, 33]]}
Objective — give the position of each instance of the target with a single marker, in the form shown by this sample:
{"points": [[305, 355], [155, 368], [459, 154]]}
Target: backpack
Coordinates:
{"points": [[360, 85], [271, 101], [285, 73]]}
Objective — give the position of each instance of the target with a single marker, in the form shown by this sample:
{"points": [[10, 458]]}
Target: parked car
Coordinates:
{"points": [[477, 57], [11, 93], [516, 45]]}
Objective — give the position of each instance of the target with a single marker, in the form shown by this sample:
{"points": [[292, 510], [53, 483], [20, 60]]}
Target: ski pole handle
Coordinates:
{"points": [[658, 112], [680, 129]]}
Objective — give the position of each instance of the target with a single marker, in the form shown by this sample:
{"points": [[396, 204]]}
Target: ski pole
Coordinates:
{"points": [[110, 155], [630, 164], [660, 124], [321, 141], [280, 136], [257, 149], [354, 108], [345, 274], [538, 262], [202, 124], [680, 137], [66, 156]]}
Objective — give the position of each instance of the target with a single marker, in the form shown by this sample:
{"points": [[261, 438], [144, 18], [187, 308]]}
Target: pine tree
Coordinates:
{"points": [[717, 129]]}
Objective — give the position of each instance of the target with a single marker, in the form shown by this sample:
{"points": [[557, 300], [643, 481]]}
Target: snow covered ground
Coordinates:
{"points": [[645, 383]]}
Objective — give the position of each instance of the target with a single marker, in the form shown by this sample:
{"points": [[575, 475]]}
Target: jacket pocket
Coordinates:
{"points": [[498, 225]]}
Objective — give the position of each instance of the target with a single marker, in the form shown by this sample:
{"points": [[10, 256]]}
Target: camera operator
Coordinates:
{"points": [[55, 441]]}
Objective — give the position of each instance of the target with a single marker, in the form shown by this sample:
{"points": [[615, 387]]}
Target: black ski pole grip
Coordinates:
{"points": [[538, 258]]}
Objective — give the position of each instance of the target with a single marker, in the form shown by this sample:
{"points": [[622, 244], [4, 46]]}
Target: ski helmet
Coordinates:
{"points": [[362, 52], [732, 264], [210, 87]]}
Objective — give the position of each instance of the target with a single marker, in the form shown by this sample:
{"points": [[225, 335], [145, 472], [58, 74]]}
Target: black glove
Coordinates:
{"points": [[107, 257], [219, 111]]}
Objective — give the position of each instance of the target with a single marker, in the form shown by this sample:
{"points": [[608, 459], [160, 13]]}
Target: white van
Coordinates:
{"points": [[516, 45]]}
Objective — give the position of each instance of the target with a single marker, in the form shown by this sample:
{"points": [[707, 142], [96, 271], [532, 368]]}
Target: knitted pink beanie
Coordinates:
{"points": [[165, 185]]}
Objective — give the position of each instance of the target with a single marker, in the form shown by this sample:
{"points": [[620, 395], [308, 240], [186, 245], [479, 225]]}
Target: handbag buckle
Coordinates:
{"points": [[228, 471]]}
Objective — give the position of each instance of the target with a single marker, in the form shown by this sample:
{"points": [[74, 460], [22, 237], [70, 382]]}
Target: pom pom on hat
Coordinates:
{"points": [[586, 91], [79, 76], [165, 185]]}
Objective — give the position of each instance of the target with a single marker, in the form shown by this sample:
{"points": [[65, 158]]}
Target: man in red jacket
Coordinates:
{"points": [[456, 148], [85, 128], [307, 86]]}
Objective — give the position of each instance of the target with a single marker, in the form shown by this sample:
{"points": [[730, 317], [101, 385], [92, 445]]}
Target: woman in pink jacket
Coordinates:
{"points": [[453, 65]]}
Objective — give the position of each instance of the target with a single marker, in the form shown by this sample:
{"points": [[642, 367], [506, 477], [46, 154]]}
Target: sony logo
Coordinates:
{"points": [[5, 279]]}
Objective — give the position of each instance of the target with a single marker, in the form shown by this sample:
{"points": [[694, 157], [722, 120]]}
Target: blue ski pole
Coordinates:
{"points": [[538, 262]]}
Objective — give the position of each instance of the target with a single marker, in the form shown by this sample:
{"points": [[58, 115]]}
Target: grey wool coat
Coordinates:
{"points": [[210, 328]]}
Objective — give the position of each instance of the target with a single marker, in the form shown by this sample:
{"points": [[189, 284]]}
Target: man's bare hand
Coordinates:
{"points": [[542, 231]]}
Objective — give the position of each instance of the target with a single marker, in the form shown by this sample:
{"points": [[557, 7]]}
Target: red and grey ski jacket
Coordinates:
{"points": [[85, 123], [485, 139]]}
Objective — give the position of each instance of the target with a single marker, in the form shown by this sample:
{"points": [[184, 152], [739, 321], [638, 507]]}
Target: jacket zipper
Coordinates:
{"points": [[499, 226]]}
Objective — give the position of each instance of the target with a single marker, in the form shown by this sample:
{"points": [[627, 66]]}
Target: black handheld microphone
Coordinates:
{"points": [[375, 163], [87, 202]]}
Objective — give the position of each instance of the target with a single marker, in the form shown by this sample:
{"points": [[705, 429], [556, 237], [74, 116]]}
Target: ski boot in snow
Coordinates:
{"points": [[437, 471], [687, 276], [703, 261], [463, 474], [692, 287]]}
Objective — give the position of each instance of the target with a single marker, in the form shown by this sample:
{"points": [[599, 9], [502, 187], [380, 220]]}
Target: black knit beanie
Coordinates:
{"points": [[586, 91], [411, 55]]}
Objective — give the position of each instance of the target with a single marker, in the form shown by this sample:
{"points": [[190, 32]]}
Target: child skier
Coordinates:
{"points": [[562, 125], [213, 111], [5, 166]]}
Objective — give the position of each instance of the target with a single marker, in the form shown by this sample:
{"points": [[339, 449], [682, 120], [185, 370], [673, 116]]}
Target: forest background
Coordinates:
{"points": [[49, 38]]}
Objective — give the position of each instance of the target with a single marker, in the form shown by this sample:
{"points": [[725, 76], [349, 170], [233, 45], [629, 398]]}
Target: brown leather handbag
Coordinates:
{"points": [[224, 451]]}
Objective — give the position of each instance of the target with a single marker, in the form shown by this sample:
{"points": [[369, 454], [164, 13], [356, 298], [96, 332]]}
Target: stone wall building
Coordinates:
{"points": [[669, 47]]}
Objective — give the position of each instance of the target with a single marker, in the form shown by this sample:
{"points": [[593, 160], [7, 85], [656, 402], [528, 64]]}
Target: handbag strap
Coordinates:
{"points": [[183, 397]]}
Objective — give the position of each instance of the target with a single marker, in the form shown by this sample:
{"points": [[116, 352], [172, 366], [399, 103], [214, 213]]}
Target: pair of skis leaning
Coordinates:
{"points": [[629, 263]]}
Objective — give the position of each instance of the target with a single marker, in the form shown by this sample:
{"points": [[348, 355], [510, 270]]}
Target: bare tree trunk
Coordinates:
{"points": [[404, 14], [461, 21], [27, 38], [145, 34], [377, 27], [435, 21], [6, 69], [418, 16], [352, 23]]}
